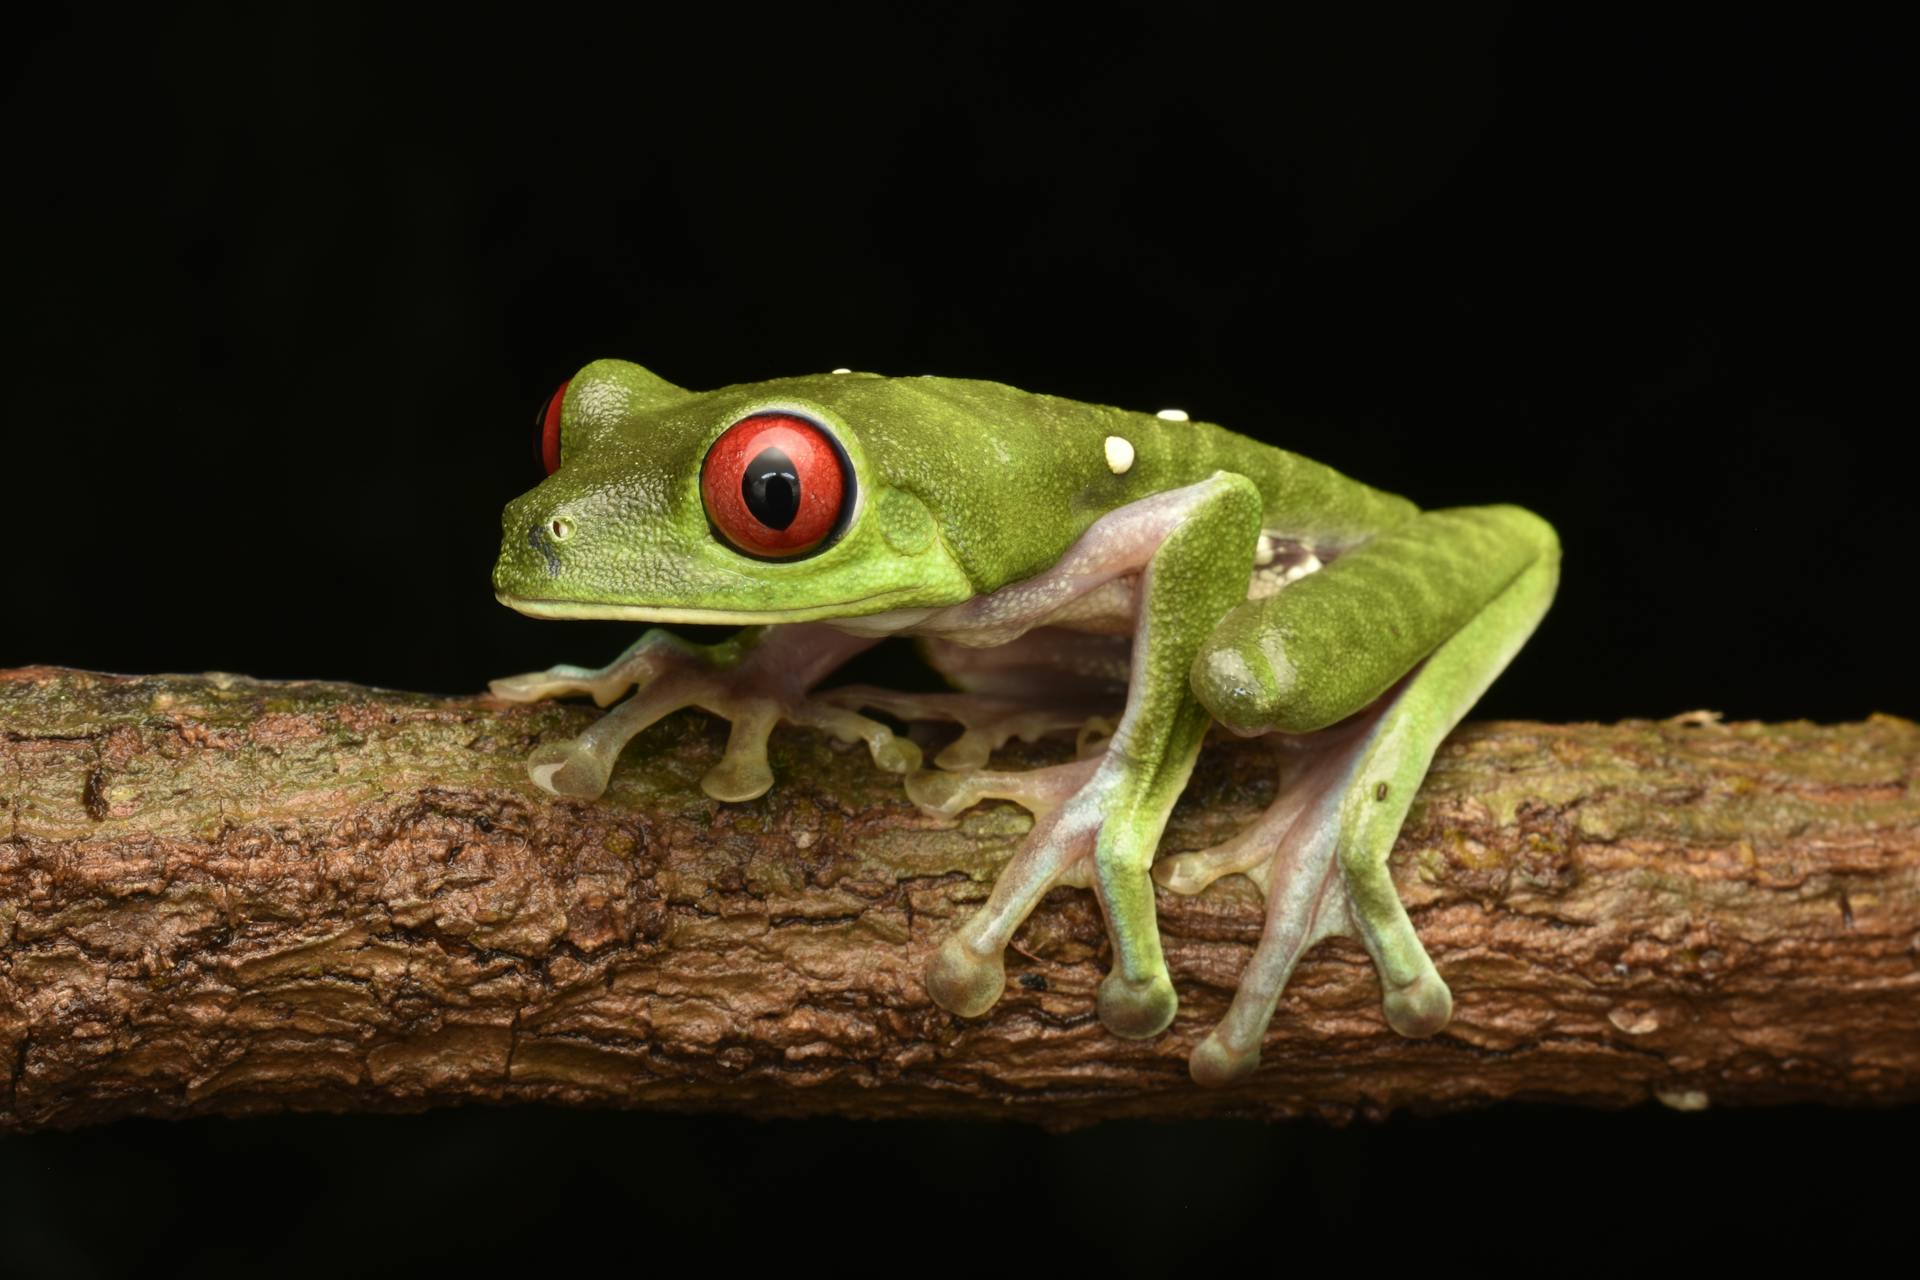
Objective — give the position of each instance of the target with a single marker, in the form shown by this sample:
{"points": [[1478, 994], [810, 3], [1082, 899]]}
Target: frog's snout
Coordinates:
{"points": [[530, 546]]}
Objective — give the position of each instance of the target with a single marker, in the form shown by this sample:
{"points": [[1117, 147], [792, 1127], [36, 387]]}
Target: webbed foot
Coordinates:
{"points": [[755, 680], [1315, 889]]}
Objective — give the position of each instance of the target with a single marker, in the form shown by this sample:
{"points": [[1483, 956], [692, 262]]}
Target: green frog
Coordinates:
{"points": [[1057, 561]]}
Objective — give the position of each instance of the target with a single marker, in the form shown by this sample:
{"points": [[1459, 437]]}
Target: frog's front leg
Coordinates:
{"points": [[754, 679], [1390, 645], [1099, 821]]}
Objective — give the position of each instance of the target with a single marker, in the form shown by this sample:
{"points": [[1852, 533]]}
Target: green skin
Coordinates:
{"points": [[1027, 539]]}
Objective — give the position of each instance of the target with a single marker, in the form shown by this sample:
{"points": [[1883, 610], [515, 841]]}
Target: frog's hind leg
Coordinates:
{"points": [[1328, 871], [1289, 852], [1251, 853], [1045, 682]]}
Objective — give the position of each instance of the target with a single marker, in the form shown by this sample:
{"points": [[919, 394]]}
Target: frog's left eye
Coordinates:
{"points": [[775, 485], [546, 427]]}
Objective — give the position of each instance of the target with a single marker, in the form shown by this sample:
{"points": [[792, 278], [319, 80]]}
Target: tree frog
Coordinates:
{"points": [[1056, 560]]}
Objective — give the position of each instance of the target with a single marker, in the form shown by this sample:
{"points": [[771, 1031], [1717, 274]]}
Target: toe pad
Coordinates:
{"points": [[941, 794], [738, 779], [567, 769], [964, 982], [1214, 1063], [1421, 1008], [1137, 1010]]}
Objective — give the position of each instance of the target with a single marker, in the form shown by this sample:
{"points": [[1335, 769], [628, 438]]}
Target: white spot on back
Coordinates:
{"points": [[843, 371], [1172, 415], [1119, 455]]}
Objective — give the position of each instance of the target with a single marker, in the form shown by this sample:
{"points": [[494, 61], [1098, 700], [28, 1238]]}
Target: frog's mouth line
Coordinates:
{"points": [[582, 610]]}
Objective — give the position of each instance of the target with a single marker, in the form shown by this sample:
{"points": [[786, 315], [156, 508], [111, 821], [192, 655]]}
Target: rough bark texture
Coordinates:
{"points": [[224, 895]]}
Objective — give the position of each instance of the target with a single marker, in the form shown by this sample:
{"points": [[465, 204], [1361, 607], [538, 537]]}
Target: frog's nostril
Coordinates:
{"points": [[561, 528], [540, 539]]}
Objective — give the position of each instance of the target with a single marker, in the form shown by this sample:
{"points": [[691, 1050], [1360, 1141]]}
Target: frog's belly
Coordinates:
{"points": [[1110, 608], [1106, 608]]}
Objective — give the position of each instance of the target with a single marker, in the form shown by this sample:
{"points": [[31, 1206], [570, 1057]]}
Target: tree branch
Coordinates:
{"points": [[224, 895]]}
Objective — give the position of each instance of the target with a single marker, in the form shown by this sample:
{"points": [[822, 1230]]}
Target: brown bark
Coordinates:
{"points": [[223, 895]]}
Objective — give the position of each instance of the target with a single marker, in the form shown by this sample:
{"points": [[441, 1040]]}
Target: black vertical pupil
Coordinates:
{"points": [[771, 488]]}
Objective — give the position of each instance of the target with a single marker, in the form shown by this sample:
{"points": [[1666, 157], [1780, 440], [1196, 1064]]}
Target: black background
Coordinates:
{"points": [[288, 286]]}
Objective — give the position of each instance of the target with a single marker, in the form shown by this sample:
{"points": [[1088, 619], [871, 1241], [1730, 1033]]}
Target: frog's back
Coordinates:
{"points": [[1014, 477]]}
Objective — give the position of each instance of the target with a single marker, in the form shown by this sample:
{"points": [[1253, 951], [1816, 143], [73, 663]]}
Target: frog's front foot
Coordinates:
{"points": [[755, 680], [570, 768]]}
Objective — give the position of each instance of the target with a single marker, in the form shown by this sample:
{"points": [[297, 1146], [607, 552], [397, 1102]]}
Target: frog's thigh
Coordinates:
{"points": [[1329, 644]]}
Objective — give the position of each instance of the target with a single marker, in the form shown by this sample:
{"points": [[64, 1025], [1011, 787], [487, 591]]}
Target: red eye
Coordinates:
{"points": [[775, 485], [546, 429]]}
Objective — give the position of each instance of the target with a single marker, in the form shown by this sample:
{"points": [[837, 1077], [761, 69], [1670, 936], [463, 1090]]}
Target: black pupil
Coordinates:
{"points": [[771, 488]]}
